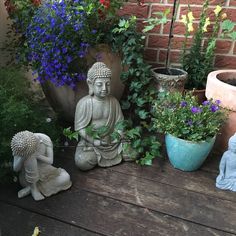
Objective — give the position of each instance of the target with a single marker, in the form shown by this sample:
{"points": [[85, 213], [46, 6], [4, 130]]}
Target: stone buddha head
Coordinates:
{"points": [[99, 79], [24, 144]]}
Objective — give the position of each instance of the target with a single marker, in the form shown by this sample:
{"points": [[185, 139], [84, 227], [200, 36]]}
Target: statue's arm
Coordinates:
{"points": [[48, 157], [18, 163], [222, 165]]}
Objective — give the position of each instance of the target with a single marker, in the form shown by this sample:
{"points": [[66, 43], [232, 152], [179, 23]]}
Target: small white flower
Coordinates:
{"points": [[66, 144], [15, 179], [48, 120]]}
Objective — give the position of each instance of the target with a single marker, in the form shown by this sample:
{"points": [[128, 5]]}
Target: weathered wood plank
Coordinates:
{"points": [[15, 221], [105, 215], [197, 181], [168, 199]]}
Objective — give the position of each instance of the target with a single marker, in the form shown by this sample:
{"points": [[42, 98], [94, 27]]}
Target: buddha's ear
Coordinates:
{"points": [[90, 85]]}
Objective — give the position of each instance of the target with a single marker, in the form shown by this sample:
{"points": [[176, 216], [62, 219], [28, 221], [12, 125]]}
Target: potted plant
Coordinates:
{"points": [[60, 40], [221, 84], [190, 129], [198, 59], [167, 78]]}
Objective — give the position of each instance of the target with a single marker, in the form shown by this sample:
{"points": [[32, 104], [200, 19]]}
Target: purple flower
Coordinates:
{"points": [[183, 104], [196, 110], [94, 31], [81, 54], [214, 108], [205, 103], [189, 122], [217, 102]]}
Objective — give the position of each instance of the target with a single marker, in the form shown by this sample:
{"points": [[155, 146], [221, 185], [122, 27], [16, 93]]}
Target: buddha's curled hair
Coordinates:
{"points": [[24, 144]]}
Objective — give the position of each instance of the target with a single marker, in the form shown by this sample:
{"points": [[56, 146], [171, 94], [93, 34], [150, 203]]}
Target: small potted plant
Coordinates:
{"points": [[198, 59], [167, 78], [190, 129]]}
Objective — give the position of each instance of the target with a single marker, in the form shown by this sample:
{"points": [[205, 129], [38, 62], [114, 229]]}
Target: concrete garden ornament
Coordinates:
{"points": [[33, 158], [227, 177], [96, 110]]}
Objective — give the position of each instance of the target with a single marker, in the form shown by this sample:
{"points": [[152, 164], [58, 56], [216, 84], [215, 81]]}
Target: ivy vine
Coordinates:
{"points": [[140, 92]]}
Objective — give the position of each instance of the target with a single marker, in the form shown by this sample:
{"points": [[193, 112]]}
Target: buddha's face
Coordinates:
{"points": [[101, 87]]}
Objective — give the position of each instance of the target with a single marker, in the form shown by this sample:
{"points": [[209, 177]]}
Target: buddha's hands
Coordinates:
{"points": [[98, 142]]}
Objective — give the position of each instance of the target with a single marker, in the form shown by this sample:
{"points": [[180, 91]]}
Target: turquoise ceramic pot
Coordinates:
{"points": [[187, 155]]}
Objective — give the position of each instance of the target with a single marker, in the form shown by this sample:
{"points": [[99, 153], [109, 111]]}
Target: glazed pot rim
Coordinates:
{"points": [[189, 141]]}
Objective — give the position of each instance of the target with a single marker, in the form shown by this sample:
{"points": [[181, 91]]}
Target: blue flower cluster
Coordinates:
{"points": [[55, 40]]}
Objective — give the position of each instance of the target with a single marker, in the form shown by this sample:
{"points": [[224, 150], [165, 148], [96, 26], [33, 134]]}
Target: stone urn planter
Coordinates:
{"points": [[170, 80], [64, 99], [221, 85], [187, 155]]}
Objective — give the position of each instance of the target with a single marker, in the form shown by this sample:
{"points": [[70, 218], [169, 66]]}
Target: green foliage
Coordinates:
{"points": [[181, 116], [139, 90], [21, 13], [152, 22], [18, 112], [71, 134], [227, 27], [198, 60]]}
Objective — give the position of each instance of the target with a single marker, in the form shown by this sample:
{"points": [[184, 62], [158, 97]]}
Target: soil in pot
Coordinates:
{"points": [[230, 81]]}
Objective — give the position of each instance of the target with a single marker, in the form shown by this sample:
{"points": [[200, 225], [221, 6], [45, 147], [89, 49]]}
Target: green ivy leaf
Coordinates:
{"points": [[227, 25], [143, 114], [233, 35]]}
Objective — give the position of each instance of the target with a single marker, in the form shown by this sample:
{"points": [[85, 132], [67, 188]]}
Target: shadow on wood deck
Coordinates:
{"points": [[126, 199]]}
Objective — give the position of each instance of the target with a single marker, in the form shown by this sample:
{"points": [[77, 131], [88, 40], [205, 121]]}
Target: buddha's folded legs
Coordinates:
{"points": [[85, 160]]}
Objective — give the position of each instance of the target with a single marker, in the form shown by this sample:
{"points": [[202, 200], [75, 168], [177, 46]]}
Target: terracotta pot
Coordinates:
{"points": [[63, 99], [200, 94], [171, 80], [217, 88]]}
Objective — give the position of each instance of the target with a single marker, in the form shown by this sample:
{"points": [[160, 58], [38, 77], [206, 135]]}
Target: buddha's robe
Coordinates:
{"points": [[227, 177], [87, 155]]}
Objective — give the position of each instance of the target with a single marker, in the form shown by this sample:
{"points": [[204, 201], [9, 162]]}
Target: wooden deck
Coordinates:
{"points": [[125, 200]]}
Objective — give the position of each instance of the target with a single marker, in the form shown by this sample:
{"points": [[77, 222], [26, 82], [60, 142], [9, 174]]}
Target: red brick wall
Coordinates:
{"points": [[156, 40]]}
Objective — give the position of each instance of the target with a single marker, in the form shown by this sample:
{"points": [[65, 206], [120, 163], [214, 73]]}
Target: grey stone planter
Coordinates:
{"points": [[170, 82]]}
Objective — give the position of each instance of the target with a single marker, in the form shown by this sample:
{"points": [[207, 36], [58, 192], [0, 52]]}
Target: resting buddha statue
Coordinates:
{"points": [[227, 176], [33, 158], [98, 109]]}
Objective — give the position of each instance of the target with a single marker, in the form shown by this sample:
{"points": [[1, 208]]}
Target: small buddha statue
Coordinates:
{"points": [[227, 176], [33, 158], [98, 109]]}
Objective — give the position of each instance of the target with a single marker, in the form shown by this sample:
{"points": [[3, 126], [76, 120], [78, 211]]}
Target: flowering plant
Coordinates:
{"points": [[198, 60], [182, 116], [59, 33]]}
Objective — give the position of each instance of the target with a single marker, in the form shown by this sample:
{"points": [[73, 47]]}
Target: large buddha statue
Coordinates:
{"points": [[98, 109], [33, 158], [227, 176]]}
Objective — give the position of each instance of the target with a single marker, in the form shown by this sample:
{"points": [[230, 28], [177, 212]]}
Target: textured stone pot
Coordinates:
{"points": [[171, 80], [187, 155], [217, 88], [63, 99]]}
